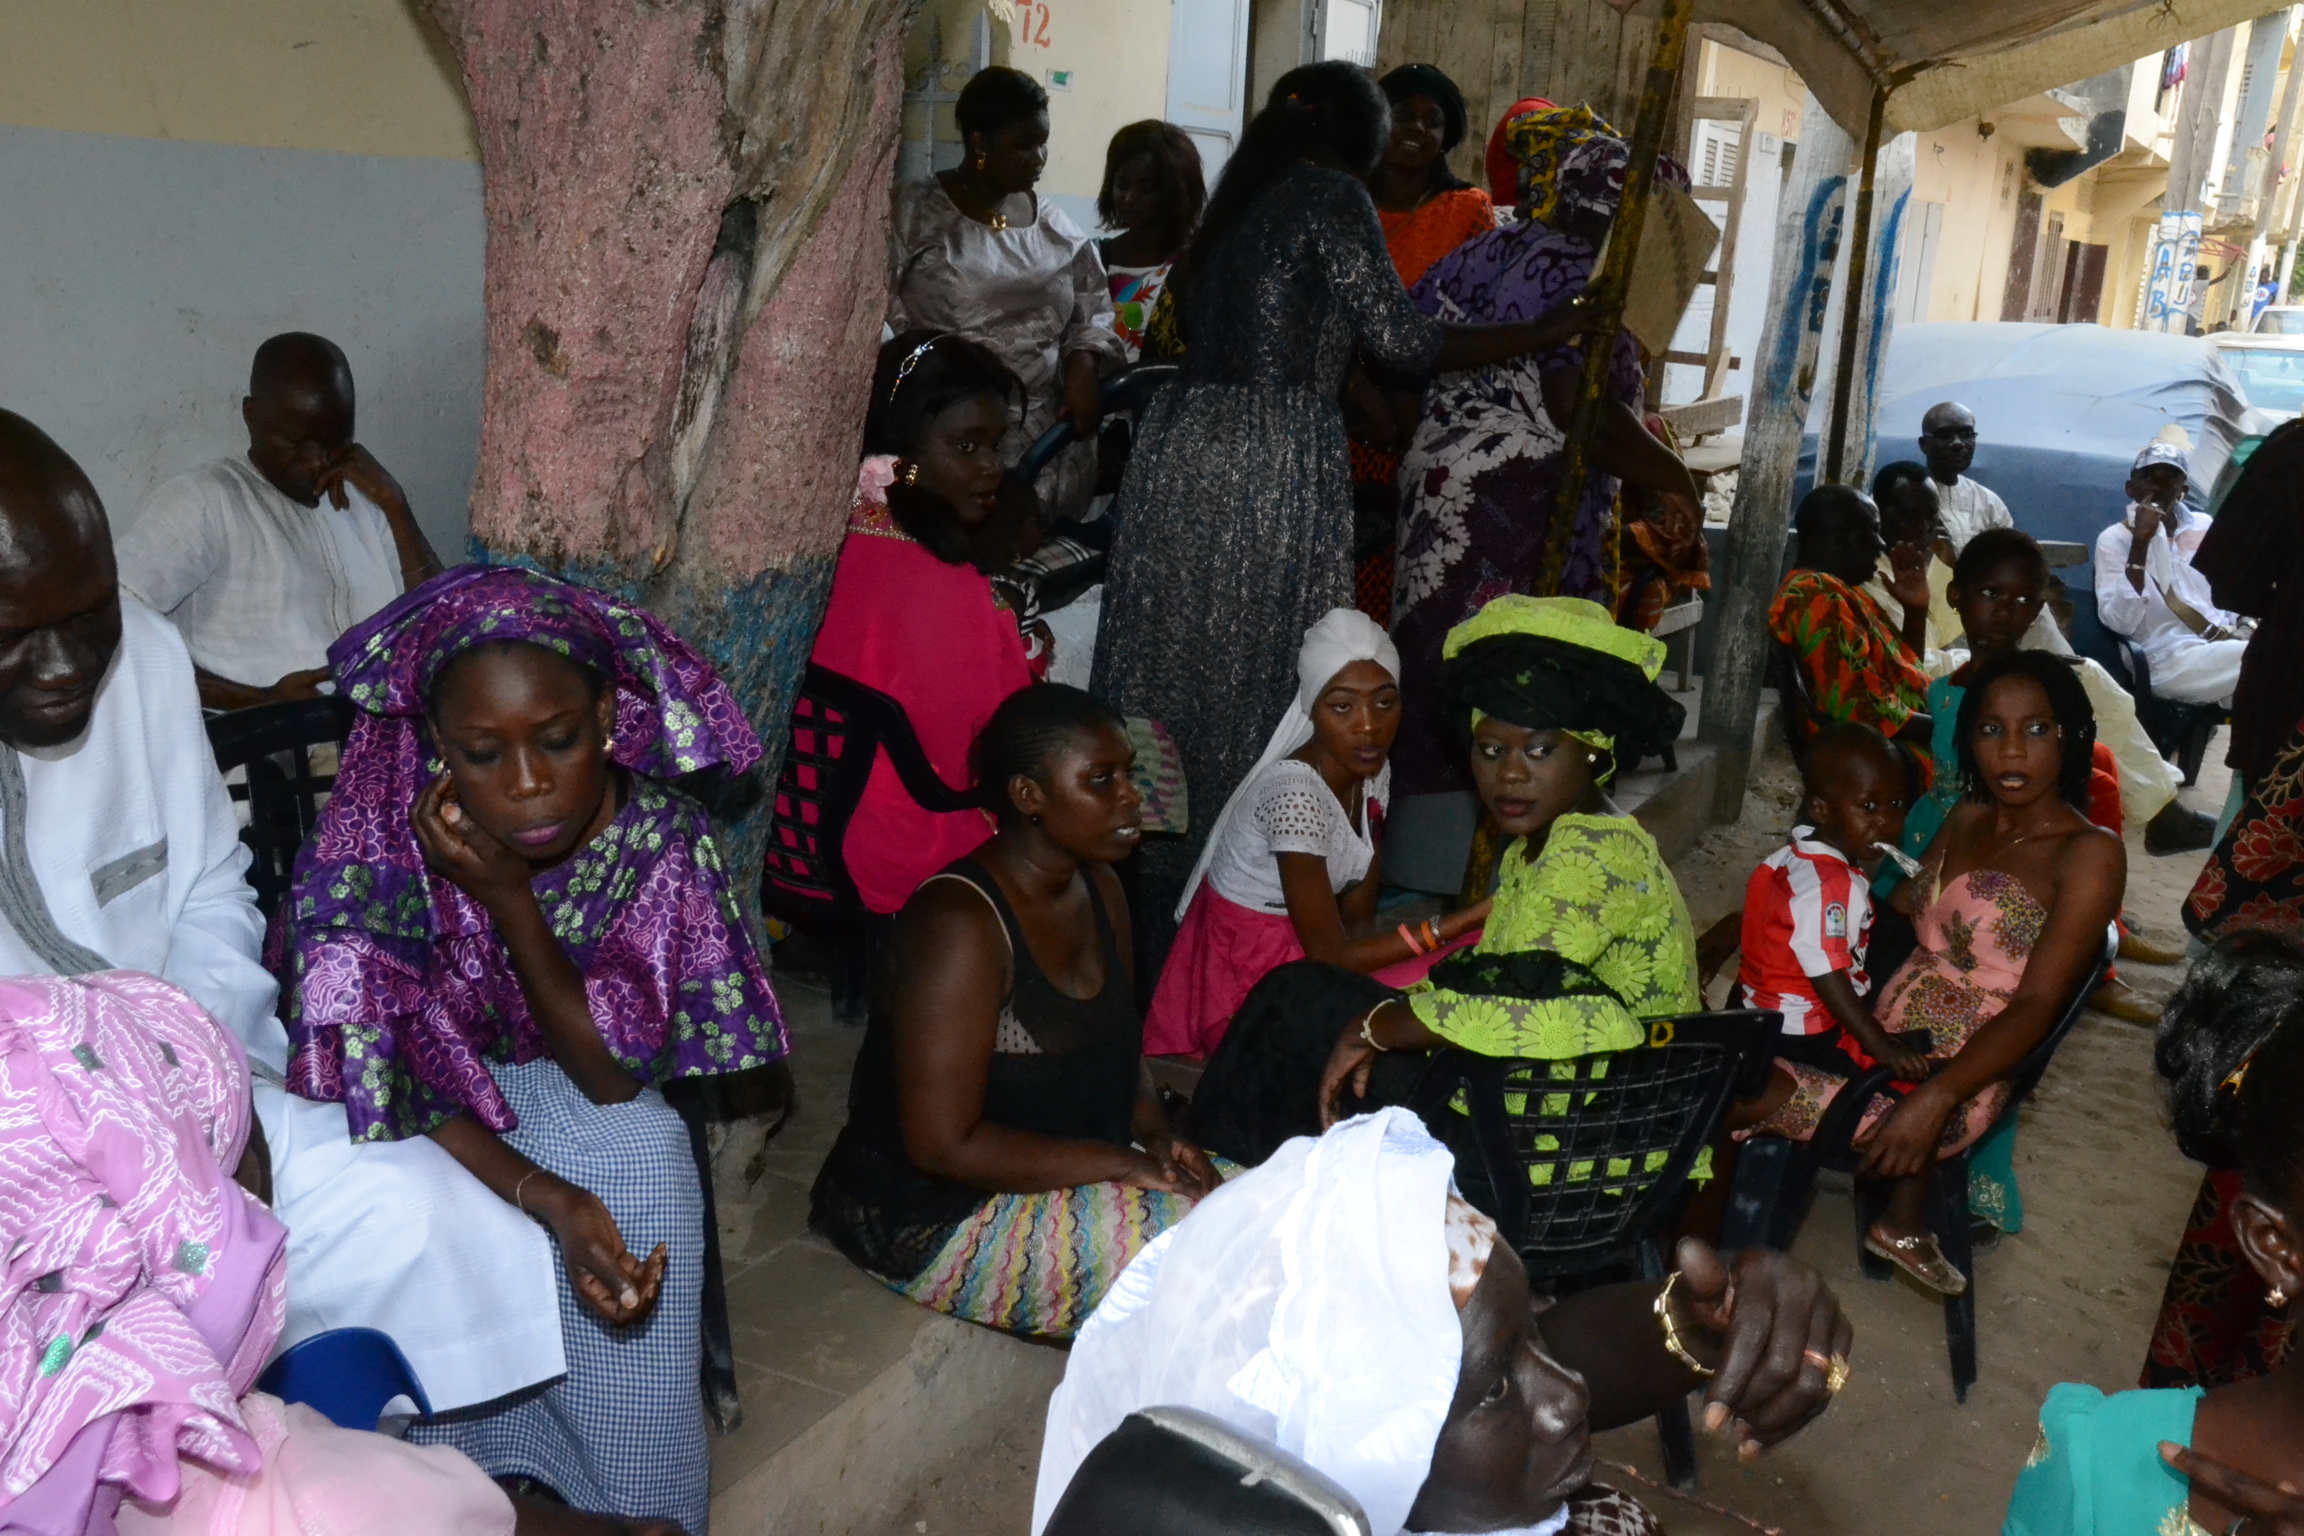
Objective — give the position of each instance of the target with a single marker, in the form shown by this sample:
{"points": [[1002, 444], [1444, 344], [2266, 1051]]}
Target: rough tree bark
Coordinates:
{"points": [[687, 205]]}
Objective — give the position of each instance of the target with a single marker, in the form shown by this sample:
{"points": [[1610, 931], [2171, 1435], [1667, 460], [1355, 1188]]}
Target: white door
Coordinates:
{"points": [[1208, 77]]}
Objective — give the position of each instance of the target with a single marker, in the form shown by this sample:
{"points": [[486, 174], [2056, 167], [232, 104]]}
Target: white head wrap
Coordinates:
{"points": [[1344, 636], [1306, 1301]]}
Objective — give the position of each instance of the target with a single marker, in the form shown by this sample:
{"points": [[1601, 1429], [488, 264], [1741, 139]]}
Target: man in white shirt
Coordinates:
{"points": [[119, 850], [2147, 591], [1966, 509], [264, 558]]}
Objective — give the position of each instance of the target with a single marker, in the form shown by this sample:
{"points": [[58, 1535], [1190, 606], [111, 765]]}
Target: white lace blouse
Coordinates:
{"points": [[1288, 808]]}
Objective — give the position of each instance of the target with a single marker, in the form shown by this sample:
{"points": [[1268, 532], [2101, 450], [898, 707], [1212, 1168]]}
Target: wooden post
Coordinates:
{"points": [[1835, 464], [1609, 288], [1783, 383]]}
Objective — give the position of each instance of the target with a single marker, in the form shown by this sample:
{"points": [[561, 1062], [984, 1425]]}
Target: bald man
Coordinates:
{"points": [[119, 850], [1964, 508], [264, 558]]}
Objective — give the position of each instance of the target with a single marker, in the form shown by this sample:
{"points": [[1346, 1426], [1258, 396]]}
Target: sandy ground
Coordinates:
{"points": [[2071, 1298]]}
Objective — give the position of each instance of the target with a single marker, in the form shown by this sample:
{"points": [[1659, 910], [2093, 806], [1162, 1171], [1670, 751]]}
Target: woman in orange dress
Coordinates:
{"points": [[1427, 211]]}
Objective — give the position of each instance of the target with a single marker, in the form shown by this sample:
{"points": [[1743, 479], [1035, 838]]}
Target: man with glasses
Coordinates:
{"points": [[1948, 443]]}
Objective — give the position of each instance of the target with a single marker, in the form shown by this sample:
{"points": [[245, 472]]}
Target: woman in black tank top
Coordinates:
{"points": [[1005, 1153]]}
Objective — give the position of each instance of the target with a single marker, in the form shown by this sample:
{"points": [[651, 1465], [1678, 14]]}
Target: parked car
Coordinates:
{"points": [[2269, 366], [2280, 320], [2062, 410]]}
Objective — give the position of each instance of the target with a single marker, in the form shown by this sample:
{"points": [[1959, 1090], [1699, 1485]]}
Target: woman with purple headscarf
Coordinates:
{"points": [[507, 932], [1480, 478]]}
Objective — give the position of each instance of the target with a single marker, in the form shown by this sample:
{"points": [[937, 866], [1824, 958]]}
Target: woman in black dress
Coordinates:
{"points": [[1235, 520]]}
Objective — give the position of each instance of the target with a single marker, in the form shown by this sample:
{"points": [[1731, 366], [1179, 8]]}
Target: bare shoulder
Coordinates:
{"points": [[949, 927]]}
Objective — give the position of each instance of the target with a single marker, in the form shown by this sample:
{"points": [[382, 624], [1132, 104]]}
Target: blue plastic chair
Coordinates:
{"points": [[346, 1375]]}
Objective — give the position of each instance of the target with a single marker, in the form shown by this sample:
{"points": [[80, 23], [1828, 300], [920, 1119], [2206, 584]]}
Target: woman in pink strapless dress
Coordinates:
{"points": [[2011, 909]]}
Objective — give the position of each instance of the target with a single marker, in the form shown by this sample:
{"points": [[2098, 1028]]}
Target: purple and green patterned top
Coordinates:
{"points": [[397, 992]]}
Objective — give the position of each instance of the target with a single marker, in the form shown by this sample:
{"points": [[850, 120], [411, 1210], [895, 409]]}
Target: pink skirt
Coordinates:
{"points": [[1222, 950]]}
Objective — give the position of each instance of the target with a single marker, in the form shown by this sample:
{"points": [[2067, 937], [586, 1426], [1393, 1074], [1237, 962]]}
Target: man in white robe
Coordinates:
{"points": [[119, 850], [262, 559], [1963, 507], [2147, 591]]}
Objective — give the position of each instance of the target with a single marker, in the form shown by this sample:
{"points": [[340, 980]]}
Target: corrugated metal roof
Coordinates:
{"points": [[1950, 59]]}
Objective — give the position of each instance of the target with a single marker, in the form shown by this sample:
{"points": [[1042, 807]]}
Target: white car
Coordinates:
{"points": [[2280, 320], [2269, 365]]}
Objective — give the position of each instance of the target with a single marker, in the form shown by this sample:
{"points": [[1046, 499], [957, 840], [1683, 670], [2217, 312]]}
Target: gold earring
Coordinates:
{"points": [[979, 160], [909, 474], [2277, 1296]]}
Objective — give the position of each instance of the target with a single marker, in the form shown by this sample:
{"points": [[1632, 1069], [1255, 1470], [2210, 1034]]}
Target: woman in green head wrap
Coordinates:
{"points": [[1586, 939]]}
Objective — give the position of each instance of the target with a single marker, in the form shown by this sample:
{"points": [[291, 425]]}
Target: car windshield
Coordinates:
{"points": [[2280, 322], [2272, 381]]}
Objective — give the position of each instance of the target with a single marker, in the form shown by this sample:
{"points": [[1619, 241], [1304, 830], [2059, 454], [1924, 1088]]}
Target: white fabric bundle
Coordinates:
{"points": [[1306, 1301], [1344, 636]]}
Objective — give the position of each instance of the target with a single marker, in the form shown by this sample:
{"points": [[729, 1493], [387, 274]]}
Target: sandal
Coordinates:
{"points": [[1920, 1258]]}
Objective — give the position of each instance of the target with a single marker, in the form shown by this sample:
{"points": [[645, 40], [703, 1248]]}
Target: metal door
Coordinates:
{"points": [[1208, 77]]}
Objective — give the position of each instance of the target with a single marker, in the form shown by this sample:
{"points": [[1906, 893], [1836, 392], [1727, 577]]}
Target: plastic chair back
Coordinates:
{"points": [[1795, 703], [346, 1375], [1588, 1157], [1122, 391], [839, 726], [1181, 1472], [288, 780]]}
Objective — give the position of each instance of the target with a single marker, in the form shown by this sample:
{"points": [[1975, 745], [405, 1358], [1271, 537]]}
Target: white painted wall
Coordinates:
{"points": [[138, 274]]}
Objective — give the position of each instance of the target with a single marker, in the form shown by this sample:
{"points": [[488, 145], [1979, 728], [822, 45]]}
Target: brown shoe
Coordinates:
{"points": [[1920, 1258], [2122, 1001], [2134, 946]]}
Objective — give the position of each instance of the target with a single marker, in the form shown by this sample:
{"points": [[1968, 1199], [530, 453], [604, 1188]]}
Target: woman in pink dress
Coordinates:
{"points": [[912, 612], [2011, 909]]}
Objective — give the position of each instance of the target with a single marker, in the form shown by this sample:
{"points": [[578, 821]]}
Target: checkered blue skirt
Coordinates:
{"points": [[623, 1432]]}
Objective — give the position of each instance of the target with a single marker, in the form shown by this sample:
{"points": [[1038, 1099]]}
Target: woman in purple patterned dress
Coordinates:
{"points": [[1478, 481], [507, 932]]}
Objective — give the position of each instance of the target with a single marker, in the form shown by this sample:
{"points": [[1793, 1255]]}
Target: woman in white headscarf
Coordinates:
{"points": [[1290, 869], [1345, 1303]]}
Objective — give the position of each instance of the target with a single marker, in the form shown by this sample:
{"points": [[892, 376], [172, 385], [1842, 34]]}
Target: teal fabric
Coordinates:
{"points": [[2096, 1470], [1992, 1192], [1921, 822]]}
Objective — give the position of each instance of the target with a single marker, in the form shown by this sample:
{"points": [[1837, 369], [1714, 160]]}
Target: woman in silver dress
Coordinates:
{"points": [[975, 250], [1235, 519]]}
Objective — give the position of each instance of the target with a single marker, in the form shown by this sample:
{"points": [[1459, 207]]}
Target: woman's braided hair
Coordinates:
{"points": [[2231, 1047], [1025, 733]]}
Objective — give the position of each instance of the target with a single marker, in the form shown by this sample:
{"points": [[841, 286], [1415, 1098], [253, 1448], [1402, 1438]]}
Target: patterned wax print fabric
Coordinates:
{"points": [[2254, 877], [2096, 1468], [1233, 523], [1599, 910], [1135, 292], [2217, 1324], [1571, 163], [1479, 481], [1974, 940], [1857, 666], [145, 1286], [398, 993]]}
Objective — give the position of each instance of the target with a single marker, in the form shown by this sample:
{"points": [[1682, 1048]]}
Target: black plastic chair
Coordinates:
{"points": [[1181, 1472], [1801, 718], [1567, 1171], [1124, 391], [276, 745], [1775, 1178], [2180, 731], [839, 729]]}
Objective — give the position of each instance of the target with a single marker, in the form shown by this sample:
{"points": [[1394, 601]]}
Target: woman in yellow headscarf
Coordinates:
{"points": [[1586, 937]]}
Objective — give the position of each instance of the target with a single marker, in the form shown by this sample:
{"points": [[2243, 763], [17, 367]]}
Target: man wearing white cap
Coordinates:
{"points": [[2147, 591]]}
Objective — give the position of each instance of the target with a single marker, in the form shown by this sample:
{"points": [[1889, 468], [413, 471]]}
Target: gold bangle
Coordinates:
{"points": [[1672, 1344], [1367, 1029]]}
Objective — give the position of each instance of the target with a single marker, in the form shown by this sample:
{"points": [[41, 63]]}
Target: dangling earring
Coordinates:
{"points": [[910, 473], [979, 160], [2277, 1296]]}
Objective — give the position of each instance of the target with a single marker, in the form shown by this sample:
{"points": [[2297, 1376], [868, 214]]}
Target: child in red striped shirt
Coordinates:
{"points": [[1808, 907]]}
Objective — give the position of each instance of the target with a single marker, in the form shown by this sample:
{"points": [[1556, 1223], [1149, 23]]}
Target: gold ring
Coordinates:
{"points": [[1835, 1368]]}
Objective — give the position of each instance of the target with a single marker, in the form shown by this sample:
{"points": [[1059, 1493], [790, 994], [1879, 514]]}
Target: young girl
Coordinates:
{"points": [[2167, 1460], [1152, 193], [507, 930], [911, 612], [1290, 868]]}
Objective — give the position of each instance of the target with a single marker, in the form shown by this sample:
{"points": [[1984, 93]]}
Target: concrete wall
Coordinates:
{"points": [[1975, 180], [186, 177]]}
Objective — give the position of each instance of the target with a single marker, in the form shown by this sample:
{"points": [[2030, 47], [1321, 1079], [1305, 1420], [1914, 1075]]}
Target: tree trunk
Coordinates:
{"points": [[687, 207]]}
